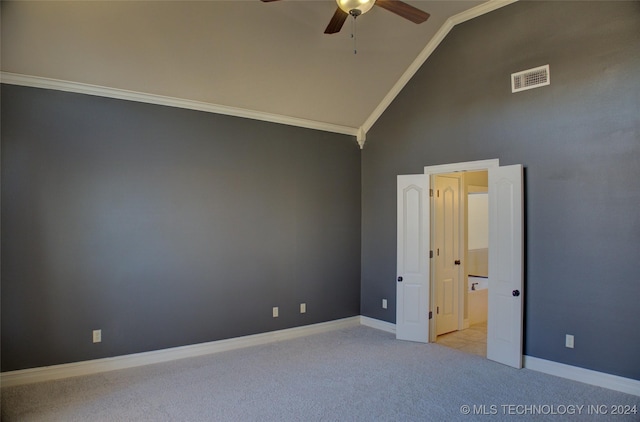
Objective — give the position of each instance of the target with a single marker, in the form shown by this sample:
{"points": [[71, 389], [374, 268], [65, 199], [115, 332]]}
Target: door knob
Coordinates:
{"points": [[516, 293], [399, 278]]}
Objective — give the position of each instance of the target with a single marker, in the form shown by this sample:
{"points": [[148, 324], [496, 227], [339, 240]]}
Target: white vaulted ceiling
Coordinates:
{"points": [[265, 59]]}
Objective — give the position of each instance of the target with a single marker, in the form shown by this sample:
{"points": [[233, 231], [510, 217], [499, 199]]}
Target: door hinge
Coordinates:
{"points": [[430, 254], [430, 192], [430, 315], [437, 310]]}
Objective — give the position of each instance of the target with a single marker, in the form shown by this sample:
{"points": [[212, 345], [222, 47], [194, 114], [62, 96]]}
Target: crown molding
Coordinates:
{"points": [[480, 10], [123, 94], [360, 133], [448, 25]]}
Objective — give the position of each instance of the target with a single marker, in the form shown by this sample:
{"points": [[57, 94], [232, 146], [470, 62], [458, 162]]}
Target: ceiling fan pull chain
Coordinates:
{"points": [[354, 35]]}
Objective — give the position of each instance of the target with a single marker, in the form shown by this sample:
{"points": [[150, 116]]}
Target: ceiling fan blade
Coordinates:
{"points": [[404, 10], [267, 1], [335, 25]]}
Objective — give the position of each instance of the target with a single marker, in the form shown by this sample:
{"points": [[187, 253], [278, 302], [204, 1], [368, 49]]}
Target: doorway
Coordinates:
{"points": [[415, 298], [460, 238]]}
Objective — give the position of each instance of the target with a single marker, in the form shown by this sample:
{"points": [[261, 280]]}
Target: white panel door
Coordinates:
{"points": [[447, 252], [504, 336], [412, 278]]}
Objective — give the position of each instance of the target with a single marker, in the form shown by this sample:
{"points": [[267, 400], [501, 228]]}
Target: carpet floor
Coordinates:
{"points": [[354, 374]]}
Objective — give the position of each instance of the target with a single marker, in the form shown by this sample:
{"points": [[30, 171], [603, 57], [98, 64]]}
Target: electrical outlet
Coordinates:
{"points": [[384, 303], [568, 342], [275, 312], [303, 308], [97, 336]]}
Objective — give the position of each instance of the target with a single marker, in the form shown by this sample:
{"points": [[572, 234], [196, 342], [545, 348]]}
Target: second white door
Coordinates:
{"points": [[447, 251]]}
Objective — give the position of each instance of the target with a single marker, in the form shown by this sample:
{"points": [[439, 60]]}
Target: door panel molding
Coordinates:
{"points": [[506, 270], [412, 261], [447, 241]]}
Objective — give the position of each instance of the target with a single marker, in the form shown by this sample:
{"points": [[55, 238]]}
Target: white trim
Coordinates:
{"points": [[466, 166], [474, 12], [48, 373], [480, 10], [361, 137], [407, 75], [587, 376], [123, 94], [359, 132], [378, 324]]}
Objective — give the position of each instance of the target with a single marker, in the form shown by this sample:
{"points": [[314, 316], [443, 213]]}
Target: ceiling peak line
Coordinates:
{"points": [[433, 43], [123, 94]]}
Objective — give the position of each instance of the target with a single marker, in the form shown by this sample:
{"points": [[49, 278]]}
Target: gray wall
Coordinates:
{"points": [[579, 140], [166, 227]]}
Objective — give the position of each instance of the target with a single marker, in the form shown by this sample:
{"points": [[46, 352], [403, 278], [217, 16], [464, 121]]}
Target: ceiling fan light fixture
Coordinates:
{"points": [[363, 6]]}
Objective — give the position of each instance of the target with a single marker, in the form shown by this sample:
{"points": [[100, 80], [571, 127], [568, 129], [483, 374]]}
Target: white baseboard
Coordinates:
{"points": [[378, 324], [587, 376], [48, 373]]}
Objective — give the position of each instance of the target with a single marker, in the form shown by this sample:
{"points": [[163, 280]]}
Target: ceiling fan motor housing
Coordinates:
{"points": [[355, 7]]}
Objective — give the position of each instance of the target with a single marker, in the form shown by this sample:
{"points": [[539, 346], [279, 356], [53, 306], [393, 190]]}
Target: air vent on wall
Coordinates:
{"points": [[528, 79]]}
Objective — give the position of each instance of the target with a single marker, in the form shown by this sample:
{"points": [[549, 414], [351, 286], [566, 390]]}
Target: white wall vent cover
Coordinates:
{"points": [[528, 79]]}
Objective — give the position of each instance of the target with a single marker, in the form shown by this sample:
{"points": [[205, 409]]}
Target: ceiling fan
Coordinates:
{"points": [[356, 8]]}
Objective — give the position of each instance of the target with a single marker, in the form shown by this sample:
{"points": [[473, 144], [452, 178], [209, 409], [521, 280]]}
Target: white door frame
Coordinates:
{"points": [[504, 340], [453, 168]]}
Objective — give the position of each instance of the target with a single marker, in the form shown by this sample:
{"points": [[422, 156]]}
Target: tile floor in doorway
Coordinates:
{"points": [[471, 340]]}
